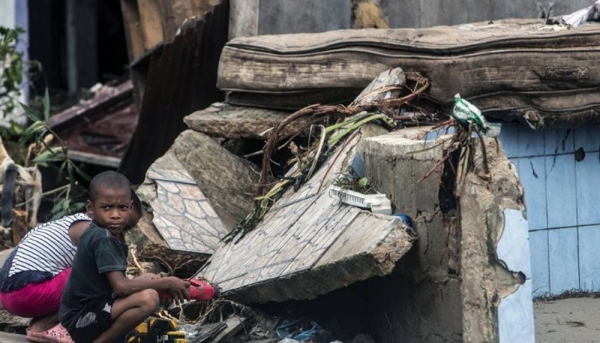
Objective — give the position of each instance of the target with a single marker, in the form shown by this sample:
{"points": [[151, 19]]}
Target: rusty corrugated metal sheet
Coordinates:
{"points": [[180, 81]]}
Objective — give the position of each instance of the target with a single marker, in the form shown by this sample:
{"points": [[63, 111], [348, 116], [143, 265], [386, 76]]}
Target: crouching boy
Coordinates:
{"points": [[99, 304]]}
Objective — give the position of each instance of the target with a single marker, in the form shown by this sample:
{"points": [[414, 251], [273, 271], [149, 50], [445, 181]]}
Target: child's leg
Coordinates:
{"points": [[41, 324], [128, 312]]}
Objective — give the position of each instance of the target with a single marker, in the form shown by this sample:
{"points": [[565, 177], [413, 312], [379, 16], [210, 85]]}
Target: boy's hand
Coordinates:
{"points": [[178, 288]]}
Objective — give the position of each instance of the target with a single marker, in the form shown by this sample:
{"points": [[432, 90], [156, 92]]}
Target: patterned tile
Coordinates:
{"points": [[296, 233], [182, 214]]}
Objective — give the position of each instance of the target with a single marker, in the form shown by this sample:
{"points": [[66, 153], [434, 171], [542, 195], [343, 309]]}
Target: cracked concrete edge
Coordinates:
{"points": [[486, 280], [330, 273]]}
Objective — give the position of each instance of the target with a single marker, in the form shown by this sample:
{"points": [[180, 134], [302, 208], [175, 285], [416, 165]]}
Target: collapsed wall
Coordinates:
{"points": [[455, 287]]}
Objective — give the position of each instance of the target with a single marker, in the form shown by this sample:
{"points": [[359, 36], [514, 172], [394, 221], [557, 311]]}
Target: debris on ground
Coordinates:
{"points": [[20, 197], [585, 15], [298, 235], [97, 130]]}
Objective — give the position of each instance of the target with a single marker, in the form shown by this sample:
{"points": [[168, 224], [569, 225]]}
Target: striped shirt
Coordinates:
{"points": [[44, 252]]}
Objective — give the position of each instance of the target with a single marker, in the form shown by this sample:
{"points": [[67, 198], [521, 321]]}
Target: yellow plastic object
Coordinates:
{"points": [[157, 330]]}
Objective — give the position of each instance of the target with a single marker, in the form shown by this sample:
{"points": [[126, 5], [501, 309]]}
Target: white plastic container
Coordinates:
{"points": [[377, 203]]}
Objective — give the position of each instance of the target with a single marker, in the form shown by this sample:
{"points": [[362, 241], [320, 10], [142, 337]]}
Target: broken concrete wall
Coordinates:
{"points": [[492, 272], [198, 191], [450, 290], [422, 303]]}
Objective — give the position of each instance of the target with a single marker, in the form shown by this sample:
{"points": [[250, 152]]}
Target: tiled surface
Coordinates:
{"points": [[562, 198], [298, 234], [182, 214], [563, 260], [515, 316]]}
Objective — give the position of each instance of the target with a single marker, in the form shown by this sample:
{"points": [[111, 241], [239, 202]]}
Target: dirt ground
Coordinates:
{"points": [[556, 321], [567, 320]]}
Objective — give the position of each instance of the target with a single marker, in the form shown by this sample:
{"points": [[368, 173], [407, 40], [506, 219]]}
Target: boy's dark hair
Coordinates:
{"points": [[108, 180], [137, 203]]}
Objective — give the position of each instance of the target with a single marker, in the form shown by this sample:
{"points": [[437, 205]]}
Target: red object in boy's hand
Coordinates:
{"points": [[199, 290]]}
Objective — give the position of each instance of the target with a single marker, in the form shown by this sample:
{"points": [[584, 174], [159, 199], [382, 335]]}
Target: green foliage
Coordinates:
{"points": [[37, 132], [11, 69]]}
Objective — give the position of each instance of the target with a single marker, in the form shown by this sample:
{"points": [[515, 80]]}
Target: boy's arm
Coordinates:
{"points": [[124, 287]]}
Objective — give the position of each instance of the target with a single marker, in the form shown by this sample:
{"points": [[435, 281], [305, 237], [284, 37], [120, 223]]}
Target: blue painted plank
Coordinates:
{"points": [[589, 257], [588, 189], [559, 141], [560, 191], [540, 266], [509, 137], [588, 138], [531, 143], [564, 266], [532, 172]]}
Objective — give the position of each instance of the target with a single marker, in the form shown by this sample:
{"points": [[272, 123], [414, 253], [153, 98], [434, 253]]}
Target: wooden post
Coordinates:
{"points": [[19, 225]]}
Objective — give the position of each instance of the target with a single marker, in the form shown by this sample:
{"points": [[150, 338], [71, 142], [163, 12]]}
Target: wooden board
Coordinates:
{"points": [[175, 12], [133, 30], [151, 23], [226, 121]]}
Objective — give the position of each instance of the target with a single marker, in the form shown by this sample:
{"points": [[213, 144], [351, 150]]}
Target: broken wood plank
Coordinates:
{"points": [[234, 325], [86, 110], [150, 20], [175, 12], [232, 122], [133, 31], [99, 160], [20, 225]]}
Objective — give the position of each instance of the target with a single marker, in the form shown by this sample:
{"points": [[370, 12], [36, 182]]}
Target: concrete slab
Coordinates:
{"points": [[182, 214], [309, 244], [228, 121]]}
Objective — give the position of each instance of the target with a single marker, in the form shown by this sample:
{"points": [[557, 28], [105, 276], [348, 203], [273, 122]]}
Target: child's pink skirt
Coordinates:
{"points": [[36, 299]]}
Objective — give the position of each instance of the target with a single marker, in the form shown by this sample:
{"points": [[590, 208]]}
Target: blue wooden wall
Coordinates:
{"points": [[563, 199]]}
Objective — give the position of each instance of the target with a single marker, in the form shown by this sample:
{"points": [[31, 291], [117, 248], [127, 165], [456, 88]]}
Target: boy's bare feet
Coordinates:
{"points": [[42, 324]]}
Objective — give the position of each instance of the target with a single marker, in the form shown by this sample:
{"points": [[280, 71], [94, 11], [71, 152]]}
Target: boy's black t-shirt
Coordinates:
{"points": [[98, 252]]}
